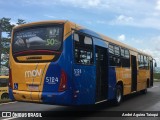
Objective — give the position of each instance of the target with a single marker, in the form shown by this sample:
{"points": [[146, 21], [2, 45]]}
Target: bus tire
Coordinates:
{"points": [[5, 96], [118, 95], [144, 91]]}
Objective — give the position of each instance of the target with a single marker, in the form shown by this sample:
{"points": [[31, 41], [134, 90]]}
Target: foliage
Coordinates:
{"points": [[6, 27], [20, 21], [157, 76]]}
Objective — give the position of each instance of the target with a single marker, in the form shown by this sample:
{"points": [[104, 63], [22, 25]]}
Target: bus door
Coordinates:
{"points": [[151, 73], [101, 73], [134, 73]]}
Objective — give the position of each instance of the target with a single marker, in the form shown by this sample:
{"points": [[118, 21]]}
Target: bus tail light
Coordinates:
{"points": [[10, 78], [63, 82]]}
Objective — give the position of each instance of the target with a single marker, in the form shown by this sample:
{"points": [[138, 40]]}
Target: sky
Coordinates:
{"points": [[133, 22]]}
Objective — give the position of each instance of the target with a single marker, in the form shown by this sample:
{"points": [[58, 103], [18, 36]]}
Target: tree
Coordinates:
{"points": [[6, 27], [20, 21], [5, 51]]}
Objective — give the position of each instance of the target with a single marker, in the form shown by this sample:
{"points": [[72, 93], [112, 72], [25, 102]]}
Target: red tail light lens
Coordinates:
{"points": [[10, 78], [63, 82]]}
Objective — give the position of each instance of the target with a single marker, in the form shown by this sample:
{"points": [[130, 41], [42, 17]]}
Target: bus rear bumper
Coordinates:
{"points": [[55, 98]]}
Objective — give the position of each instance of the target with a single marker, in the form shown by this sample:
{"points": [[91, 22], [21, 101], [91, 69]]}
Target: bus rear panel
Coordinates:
{"points": [[38, 69]]}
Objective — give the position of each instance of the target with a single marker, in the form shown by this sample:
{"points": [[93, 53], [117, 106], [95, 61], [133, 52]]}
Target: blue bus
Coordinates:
{"points": [[62, 63]]}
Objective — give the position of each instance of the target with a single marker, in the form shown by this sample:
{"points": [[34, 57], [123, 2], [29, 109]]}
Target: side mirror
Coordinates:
{"points": [[155, 64]]}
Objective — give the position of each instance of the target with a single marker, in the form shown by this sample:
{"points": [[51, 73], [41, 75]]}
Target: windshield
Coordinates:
{"points": [[37, 38]]}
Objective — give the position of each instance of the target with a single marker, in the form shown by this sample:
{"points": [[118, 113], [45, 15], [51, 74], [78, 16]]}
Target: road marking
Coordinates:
{"points": [[100, 101], [10, 118], [8, 103]]}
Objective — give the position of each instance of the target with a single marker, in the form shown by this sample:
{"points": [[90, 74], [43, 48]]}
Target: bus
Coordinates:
{"points": [[4, 80], [62, 63]]}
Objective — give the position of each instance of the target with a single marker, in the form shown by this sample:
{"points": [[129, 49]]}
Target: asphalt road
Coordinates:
{"points": [[141, 103]]}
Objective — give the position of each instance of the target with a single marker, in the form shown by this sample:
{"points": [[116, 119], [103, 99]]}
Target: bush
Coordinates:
{"points": [[156, 76]]}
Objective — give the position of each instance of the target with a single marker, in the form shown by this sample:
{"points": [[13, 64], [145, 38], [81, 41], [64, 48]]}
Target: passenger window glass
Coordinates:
{"points": [[83, 49], [88, 40], [117, 52], [147, 63], [122, 52], [125, 57], [111, 49], [76, 37], [114, 55], [143, 62], [127, 53]]}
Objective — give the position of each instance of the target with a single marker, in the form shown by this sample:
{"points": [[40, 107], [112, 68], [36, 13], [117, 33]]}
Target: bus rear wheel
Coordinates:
{"points": [[118, 95], [144, 91], [5, 96]]}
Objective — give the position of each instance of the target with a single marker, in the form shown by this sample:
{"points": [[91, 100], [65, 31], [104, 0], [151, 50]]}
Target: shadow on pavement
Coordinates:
{"points": [[98, 110]]}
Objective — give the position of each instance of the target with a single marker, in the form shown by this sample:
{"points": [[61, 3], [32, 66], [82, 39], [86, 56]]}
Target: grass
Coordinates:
{"points": [[156, 80], [156, 77]]}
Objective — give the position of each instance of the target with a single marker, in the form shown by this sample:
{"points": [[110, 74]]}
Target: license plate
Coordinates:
{"points": [[33, 87]]}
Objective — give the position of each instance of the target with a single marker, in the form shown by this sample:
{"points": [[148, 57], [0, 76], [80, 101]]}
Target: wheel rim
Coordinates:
{"points": [[119, 95]]}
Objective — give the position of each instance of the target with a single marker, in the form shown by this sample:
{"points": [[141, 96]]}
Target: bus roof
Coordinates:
{"points": [[40, 22], [85, 30]]}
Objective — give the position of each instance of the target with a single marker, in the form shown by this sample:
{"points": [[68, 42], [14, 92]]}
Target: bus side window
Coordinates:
{"points": [[117, 54], [141, 62], [112, 61], [125, 57], [146, 63], [83, 51], [114, 55]]}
